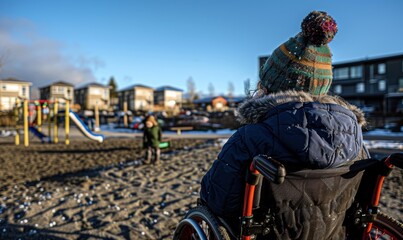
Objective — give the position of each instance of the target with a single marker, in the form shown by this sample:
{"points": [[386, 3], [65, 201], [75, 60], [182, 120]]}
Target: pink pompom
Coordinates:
{"points": [[318, 28]]}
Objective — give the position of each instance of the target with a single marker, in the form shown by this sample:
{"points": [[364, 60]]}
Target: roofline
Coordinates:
{"points": [[12, 80], [95, 84], [133, 86], [370, 59], [169, 88], [57, 83]]}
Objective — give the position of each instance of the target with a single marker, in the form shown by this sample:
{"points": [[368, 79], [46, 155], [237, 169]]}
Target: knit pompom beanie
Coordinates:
{"points": [[304, 62]]}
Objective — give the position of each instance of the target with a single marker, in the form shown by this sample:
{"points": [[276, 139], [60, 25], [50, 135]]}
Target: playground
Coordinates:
{"points": [[45, 120]]}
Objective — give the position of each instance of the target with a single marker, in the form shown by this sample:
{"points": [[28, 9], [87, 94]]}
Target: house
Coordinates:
{"points": [[374, 84], [137, 97], [12, 89], [91, 95], [217, 103], [58, 91], [167, 98]]}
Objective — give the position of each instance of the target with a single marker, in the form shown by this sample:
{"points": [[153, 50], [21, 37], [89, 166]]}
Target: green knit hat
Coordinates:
{"points": [[304, 62]]}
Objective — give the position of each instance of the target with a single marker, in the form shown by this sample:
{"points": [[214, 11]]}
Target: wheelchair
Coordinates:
{"points": [[265, 214]]}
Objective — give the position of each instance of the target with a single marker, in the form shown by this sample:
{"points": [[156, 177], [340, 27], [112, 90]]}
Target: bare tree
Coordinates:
{"points": [[246, 85], [211, 89], [231, 89], [1, 61], [191, 89]]}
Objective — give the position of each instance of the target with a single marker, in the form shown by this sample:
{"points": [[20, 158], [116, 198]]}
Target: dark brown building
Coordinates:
{"points": [[374, 84]]}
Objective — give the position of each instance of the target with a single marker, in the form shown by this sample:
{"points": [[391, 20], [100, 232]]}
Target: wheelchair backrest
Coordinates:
{"points": [[312, 204]]}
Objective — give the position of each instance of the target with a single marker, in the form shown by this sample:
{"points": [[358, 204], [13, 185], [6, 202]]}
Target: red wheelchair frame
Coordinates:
{"points": [[366, 222]]}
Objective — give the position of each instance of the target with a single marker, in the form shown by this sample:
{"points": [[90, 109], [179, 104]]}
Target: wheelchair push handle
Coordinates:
{"points": [[270, 168], [396, 159]]}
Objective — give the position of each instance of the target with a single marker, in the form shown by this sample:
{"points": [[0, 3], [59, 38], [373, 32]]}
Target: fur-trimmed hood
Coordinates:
{"points": [[254, 110]]}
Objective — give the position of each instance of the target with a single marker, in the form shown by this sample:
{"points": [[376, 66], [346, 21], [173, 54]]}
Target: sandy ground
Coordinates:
{"points": [[88, 190]]}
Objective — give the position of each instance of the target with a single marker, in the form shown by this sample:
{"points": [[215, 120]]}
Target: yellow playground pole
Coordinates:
{"points": [[55, 138], [39, 117], [67, 122], [49, 123], [96, 128], [26, 134], [17, 128]]}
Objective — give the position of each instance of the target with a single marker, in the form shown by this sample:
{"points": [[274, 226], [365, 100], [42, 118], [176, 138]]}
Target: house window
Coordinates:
{"points": [[381, 68], [360, 87], [382, 85], [371, 71], [11, 87], [337, 89], [400, 85], [356, 72], [340, 73], [58, 90], [24, 91], [95, 91]]}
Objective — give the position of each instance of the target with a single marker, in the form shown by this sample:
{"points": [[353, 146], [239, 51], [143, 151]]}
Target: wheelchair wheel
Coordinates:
{"points": [[386, 228], [200, 223]]}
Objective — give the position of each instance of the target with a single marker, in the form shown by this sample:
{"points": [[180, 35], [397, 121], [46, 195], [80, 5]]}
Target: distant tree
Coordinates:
{"points": [[113, 90], [231, 89], [191, 89], [246, 85], [211, 89], [1, 61]]}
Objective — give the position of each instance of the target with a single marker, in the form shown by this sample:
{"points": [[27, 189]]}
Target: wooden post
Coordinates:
{"points": [[16, 118], [55, 127], [26, 133], [67, 122], [125, 116]]}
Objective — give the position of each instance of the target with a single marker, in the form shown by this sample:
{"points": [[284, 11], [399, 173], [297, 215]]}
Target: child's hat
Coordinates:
{"points": [[304, 62]]}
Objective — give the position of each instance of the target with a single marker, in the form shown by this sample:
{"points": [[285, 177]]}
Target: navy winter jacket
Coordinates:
{"points": [[292, 127]]}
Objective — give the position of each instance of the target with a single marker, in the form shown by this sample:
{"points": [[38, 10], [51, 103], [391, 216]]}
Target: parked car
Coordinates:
{"points": [[137, 123]]}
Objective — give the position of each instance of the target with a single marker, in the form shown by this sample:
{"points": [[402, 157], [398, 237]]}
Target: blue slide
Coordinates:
{"points": [[84, 128], [38, 133]]}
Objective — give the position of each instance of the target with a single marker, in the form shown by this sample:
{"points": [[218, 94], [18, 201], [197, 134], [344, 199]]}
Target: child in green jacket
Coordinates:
{"points": [[151, 141]]}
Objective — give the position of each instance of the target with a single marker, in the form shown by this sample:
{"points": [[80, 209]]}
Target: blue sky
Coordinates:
{"points": [[167, 42]]}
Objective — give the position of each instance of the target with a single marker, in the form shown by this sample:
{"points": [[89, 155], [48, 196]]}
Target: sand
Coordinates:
{"points": [[89, 190]]}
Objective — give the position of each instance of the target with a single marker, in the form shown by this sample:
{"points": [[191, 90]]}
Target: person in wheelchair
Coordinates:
{"points": [[291, 118]]}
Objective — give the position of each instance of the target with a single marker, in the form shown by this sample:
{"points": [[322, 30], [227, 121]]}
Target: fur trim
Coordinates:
{"points": [[253, 110]]}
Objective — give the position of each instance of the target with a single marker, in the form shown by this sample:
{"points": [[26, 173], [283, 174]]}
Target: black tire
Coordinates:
{"points": [[385, 227], [208, 223]]}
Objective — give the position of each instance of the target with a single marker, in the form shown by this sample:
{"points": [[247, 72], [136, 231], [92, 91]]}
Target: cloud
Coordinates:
{"points": [[27, 56]]}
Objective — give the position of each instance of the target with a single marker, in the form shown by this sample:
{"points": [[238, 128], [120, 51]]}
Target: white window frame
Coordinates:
{"points": [[338, 89], [341, 73], [381, 68], [356, 71], [382, 85], [360, 87]]}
